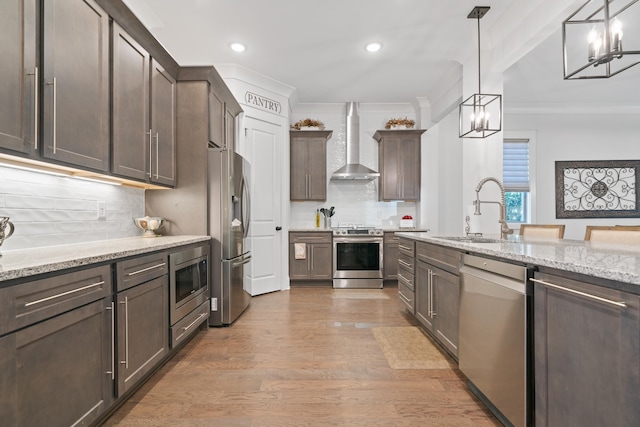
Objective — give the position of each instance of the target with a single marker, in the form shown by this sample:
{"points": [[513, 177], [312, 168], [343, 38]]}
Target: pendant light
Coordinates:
{"points": [[481, 113], [592, 40]]}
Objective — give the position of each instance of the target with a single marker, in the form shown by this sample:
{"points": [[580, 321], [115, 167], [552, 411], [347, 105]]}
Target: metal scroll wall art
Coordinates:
{"points": [[597, 189]]}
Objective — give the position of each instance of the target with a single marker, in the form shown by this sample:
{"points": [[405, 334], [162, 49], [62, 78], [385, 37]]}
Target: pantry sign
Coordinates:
{"points": [[262, 102]]}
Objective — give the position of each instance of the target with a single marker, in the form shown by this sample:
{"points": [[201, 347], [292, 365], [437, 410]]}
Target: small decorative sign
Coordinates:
{"points": [[597, 189], [262, 102]]}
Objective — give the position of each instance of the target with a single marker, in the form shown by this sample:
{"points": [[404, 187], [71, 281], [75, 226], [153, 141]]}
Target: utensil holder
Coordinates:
{"points": [[327, 222]]}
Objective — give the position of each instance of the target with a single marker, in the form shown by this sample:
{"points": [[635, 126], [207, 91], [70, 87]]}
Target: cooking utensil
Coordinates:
{"points": [[4, 224], [331, 211]]}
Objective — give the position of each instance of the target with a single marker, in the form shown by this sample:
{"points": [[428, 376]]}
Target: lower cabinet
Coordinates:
{"points": [[58, 372], [315, 262], [437, 293], [587, 354], [406, 273], [143, 331], [390, 262]]}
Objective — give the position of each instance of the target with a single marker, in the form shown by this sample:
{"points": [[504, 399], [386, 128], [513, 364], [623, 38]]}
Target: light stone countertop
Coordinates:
{"points": [[29, 262], [619, 263]]}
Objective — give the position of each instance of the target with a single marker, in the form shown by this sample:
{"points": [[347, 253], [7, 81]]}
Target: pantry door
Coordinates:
{"points": [[263, 145]]}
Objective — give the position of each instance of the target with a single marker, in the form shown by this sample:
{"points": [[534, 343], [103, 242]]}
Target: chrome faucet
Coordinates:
{"points": [[504, 227]]}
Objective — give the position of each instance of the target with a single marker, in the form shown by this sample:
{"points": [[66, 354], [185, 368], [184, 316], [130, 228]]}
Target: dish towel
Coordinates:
{"points": [[300, 250]]}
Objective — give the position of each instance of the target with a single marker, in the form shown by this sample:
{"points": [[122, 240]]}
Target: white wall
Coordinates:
{"points": [[564, 136], [354, 201], [51, 210]]}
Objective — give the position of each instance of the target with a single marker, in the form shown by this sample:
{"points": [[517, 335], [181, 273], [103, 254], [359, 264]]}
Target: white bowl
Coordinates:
{"points": [[149, 224]]}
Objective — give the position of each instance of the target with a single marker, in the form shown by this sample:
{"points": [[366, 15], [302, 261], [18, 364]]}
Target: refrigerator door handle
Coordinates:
{"points": [[246, 210], [245, 260]]}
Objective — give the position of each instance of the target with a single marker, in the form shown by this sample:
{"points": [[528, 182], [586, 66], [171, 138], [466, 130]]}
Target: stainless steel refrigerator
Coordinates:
{"points": [[229, 216]]}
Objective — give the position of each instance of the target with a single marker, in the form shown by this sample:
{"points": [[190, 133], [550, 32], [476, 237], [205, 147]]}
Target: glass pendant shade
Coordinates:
{"points": [[481, 113], [592, 39]]}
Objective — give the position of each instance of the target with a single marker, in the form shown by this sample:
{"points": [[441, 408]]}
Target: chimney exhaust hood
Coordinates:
{"points": [[353, 170]]}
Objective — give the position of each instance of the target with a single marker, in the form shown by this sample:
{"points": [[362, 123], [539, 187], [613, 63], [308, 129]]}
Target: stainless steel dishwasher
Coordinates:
{"points": [[495, 337]]}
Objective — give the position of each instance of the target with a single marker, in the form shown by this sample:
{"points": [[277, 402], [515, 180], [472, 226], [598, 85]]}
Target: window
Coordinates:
{"points": [[515, 177]]}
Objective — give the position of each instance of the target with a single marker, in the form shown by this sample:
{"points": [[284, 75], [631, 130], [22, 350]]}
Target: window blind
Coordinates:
{"points": [[515, 175]]}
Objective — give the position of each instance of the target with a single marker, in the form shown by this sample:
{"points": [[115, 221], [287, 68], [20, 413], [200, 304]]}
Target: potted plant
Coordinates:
{"points": [[308, 124], [400, 124]]}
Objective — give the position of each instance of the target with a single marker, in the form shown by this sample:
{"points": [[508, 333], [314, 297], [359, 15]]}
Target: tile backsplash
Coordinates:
{"points": [[54, 210]]}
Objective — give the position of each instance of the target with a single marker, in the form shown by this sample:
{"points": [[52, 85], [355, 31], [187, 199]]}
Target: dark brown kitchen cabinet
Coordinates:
{"points": [[390, 251], [399, 164], [57, 361], [19, 74], [308, 165], [318, 257], [216, 118], [143, 317], [75, 90], [163, 126], [437, 293], [130, 99], [587, 353]]}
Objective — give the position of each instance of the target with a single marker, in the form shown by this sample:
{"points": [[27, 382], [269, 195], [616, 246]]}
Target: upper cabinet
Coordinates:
{"points": [[309, 165], [130, 106], [75, 91], [163, 125], [399, 164], [18, 76]]}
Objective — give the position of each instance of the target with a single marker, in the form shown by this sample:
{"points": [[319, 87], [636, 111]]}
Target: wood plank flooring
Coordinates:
{"points": [[301, 358]]}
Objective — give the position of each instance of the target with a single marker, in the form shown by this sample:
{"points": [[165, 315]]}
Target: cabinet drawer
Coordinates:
{"points": [[189, 324], [407, 247], [311, 237], [390, 237], [141, 269], [406, 263], [406, 279], [24, 304], [445, 258], [407, 296]]}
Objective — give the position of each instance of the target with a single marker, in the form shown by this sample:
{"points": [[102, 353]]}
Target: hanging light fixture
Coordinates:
{"points": [[592, 40], [481, 113]]}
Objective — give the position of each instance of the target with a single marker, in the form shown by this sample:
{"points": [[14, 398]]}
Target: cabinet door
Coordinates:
{"points": [[446, 307], [298, 268], [424, 295], [409, 149], [130, 98], [299, 176], [317, 169], [587, 355], [389, 168], [321, 261], [18, 76], [216, 118], [58, 372], [163, 125], [391, 253], [76, 83], [143, 331], [230, 131]]}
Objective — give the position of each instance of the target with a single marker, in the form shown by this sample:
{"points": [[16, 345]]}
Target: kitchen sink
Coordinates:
{"points": [[470, 239]]}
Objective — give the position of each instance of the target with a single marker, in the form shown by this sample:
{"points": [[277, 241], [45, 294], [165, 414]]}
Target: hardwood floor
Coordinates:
{"points": [[301, 358]]}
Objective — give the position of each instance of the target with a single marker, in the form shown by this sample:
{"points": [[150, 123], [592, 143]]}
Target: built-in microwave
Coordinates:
{"points": [[188, 281]]}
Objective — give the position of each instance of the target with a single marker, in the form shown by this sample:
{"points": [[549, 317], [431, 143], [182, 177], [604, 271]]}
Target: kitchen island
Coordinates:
{"points": [[581, 317]]}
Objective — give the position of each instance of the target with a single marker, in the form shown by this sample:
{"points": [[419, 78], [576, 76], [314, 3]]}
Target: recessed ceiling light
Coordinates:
{"points": [[238, 47], [373, 47]]}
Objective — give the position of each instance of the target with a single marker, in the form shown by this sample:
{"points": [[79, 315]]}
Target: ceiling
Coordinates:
{"points": [[317, 48]]}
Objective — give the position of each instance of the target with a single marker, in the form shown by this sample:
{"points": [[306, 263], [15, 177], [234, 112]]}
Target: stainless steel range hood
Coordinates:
{"points": [[353, 170]]}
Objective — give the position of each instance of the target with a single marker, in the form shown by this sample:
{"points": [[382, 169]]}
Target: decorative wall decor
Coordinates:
{"points": [[597, 189]]}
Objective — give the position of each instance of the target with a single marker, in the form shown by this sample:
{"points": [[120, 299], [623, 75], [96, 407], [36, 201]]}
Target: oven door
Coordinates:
{"points": [[357, 257]]}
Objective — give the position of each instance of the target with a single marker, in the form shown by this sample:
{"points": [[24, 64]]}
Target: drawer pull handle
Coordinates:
{"points": [[404, 264], [406, 248], [27, 304], [133, 273], [186, 328], [572, 291], [407, 300]]}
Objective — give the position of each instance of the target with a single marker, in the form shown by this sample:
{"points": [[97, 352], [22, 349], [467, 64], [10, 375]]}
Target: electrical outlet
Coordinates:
{"points": [[214, 304], [102, 210]]}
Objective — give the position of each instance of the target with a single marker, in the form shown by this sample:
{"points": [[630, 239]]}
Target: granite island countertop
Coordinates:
{"points": [[16, 264], [620, 263]]}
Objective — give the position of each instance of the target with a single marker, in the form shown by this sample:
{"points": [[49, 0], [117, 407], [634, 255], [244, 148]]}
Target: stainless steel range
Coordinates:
{"points": [[357, 257]]}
